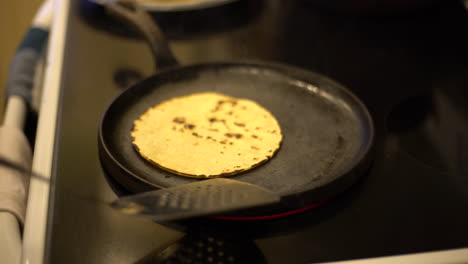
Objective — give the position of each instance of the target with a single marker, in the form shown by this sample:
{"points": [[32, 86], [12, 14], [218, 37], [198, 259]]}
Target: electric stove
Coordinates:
{"points": [[410, 70]]}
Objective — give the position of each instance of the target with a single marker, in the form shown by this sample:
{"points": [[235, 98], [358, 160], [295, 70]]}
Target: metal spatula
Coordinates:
{"points": [[207, 197]]}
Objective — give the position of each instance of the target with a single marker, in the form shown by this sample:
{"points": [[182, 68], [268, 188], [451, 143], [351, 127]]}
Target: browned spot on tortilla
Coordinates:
{"points": [[221, 102], [225, 124], [254, 147], [236, 135], [212, 119], [213, 129], [233, 102], [179, 120], [254, 136], [189, 126], [239, 124], [195, 134]]}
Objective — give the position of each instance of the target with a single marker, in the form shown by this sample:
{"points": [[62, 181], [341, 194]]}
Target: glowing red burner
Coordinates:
{"points": [[266, 217]]}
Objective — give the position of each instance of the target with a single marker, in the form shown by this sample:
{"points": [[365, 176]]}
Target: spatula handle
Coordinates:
{"points": [[131, 13]]}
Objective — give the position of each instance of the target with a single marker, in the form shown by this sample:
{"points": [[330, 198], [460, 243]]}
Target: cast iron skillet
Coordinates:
{"points": [[328, 132]]}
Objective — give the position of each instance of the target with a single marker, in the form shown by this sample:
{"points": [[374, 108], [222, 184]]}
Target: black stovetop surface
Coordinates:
{"points": [[409, 69]]}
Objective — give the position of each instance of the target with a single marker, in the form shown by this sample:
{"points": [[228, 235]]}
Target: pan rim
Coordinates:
{"points": [[361, 156]]}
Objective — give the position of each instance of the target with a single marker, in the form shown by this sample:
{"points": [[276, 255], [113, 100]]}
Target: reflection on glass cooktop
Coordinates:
{"points": [[408, 69]]}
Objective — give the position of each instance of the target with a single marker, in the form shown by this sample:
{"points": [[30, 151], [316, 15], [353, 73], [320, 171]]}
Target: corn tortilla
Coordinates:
{"points": [[206, 135]]}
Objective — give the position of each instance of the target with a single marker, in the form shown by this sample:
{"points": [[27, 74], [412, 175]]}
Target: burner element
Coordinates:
{"points": [[203, 248]]}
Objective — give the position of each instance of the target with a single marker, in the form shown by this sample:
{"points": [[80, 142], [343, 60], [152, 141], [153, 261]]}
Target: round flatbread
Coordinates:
{"points": [[206, 135]]}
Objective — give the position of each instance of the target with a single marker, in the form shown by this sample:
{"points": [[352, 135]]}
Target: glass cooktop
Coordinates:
{"points": [[408, 68]]}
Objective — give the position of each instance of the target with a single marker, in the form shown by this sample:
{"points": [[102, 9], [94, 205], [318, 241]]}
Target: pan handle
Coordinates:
{"points": [[131, 13]]}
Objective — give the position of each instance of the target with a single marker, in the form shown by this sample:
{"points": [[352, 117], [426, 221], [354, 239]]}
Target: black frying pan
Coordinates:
{"points": [[328, 132]]}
